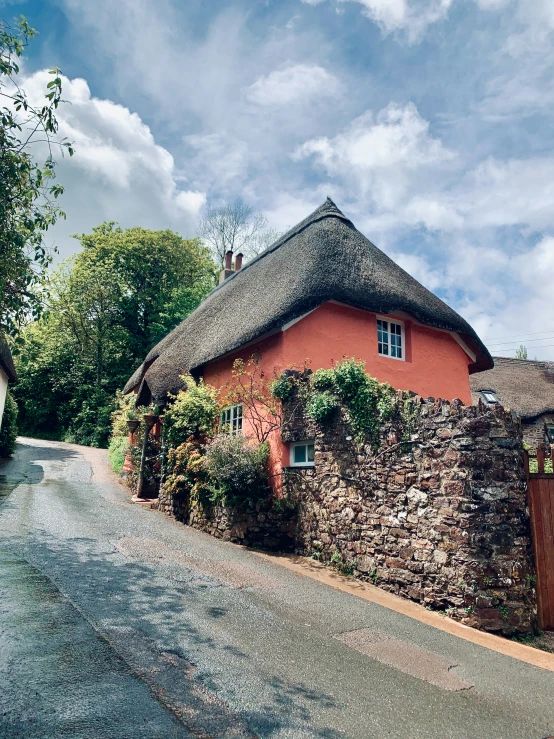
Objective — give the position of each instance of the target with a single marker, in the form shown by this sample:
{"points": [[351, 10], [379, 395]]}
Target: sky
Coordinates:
{"points": [[428, 122]]}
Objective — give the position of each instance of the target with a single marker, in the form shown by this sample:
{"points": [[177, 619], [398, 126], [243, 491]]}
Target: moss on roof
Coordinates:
{"points": [[322, 258]]}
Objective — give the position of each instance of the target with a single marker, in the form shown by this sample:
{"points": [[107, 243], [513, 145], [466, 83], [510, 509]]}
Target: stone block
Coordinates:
{"points": [[440, 557]]}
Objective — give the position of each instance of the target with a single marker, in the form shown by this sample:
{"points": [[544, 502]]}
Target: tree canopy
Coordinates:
{"points": [[235, 227], [28, 192], [107, 307]]}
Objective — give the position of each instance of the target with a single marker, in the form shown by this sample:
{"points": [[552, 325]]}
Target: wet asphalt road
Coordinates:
{"points": [[116, 623]]}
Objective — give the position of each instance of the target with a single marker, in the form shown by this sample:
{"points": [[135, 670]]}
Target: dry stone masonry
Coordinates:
{"points": [[264, 525], [441, 520]]}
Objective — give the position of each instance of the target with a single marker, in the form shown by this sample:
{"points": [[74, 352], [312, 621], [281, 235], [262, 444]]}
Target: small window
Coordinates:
{"points": [[550, 433], [302, 454], [390, 338], [230, 420], [489, 396]]}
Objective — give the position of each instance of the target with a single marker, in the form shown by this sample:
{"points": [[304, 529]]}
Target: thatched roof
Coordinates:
{"points": [[6, 361], [522, 385], [322, 258]]}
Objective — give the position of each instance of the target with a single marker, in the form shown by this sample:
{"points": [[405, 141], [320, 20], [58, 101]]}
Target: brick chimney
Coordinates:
{"points": [[238, 262], [228, 270]]}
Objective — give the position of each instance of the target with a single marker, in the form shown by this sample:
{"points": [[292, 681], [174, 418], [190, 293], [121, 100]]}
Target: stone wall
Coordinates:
{"points": [[441, 520], [533, 431], [264, 525]]}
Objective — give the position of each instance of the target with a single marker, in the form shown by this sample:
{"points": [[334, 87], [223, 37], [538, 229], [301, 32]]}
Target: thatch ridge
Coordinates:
{"points": [[523, 385], [322, 258]]}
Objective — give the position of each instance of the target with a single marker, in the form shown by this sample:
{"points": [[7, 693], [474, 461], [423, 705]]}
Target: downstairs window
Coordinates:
{"points": [[230, 420], [302, 454]]}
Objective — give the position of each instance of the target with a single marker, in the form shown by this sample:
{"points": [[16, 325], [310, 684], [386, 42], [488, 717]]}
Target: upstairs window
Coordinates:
{"points": [[489, 396], [230, 420], [302, 454], [390, 338]]}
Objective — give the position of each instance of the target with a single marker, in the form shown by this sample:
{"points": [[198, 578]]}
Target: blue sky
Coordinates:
{"points": [[429, 122]]}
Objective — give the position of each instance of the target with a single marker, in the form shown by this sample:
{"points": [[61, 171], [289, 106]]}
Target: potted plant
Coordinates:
{"points": [[151, 416], [132, 422]]}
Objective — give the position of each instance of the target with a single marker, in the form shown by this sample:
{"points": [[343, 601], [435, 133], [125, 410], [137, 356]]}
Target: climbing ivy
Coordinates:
{"points": [[369, 404]]}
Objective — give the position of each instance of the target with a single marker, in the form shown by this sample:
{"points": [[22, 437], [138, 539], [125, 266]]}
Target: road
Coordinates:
{"points": [[117, 622]]}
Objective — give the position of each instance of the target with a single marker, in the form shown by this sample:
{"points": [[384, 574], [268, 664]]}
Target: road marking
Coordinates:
{"points": [[319, 572], [406, 657]]}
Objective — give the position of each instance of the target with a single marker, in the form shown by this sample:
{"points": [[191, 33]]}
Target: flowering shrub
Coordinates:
{"points": [[194, 412], [187, 473], [237, 469]]}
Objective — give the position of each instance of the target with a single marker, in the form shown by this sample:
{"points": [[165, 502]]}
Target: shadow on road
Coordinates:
{"points": [[150, 627]]}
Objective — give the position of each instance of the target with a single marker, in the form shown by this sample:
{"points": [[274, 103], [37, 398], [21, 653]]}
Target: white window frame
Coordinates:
{"points": [[394, 322], [306, 443], [494, 401], [231, 419]]}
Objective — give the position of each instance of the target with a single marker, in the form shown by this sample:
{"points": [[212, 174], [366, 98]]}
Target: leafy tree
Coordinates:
{"points": [[106, 308], [154, 280], [235, 227], [27, 189]]}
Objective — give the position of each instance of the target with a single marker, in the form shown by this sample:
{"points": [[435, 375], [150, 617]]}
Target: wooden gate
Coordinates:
{"points": [[540, 491]]}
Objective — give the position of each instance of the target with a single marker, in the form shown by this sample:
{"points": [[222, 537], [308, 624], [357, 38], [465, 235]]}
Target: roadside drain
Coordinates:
{"points": [[406, 657]]}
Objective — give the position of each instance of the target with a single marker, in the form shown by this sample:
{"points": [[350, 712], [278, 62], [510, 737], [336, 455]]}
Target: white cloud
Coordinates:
{"points": [[412, 16], [118, 171], [381, 158], [401, 176], [492, 4], [217, 160], [294, 83], [510, 300], [522, 69]]}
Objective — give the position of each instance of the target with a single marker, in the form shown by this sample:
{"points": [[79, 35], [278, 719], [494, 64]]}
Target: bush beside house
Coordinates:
{"points": [[8, 429]]}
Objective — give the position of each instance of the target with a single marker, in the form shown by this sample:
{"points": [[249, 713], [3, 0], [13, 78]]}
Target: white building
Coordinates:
{"points": [[7, 374]]}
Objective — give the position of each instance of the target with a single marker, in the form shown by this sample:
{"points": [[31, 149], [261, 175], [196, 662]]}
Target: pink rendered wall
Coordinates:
{"points": [[435, 364]]}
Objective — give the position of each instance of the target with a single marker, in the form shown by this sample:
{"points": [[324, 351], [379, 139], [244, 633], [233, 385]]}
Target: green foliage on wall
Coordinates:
{"points": [[284, 387], [186, 473], [321, 405], [8, 430], [368, 403]]}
